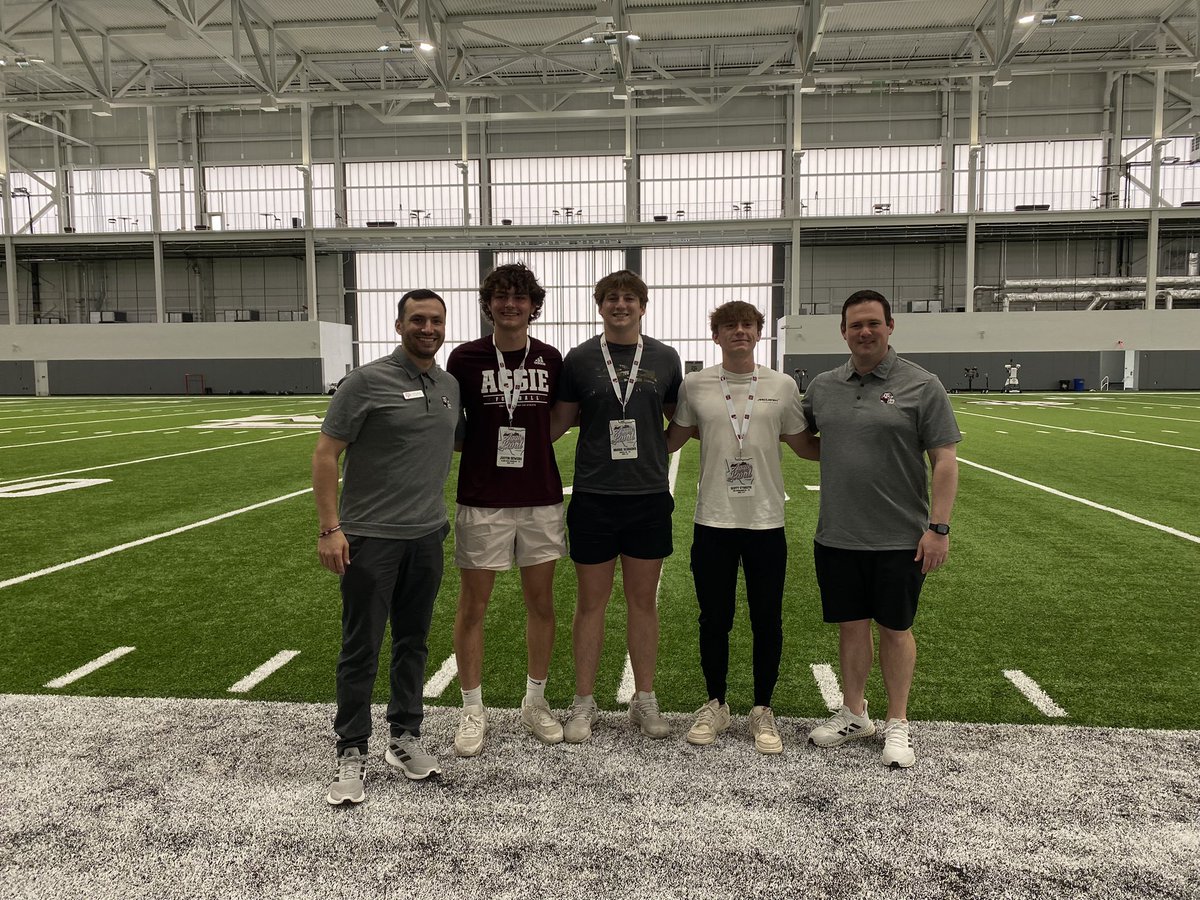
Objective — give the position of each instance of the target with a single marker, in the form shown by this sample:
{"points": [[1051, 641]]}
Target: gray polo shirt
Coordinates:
{"points": [[399, 423], [875, 430]]}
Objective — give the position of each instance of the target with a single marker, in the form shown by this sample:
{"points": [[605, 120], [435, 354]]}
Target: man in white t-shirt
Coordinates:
{"points": [[740, 412]]}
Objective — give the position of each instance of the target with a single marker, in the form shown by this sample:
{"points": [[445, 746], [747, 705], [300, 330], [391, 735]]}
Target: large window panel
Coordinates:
{"points": [[383, 278], [558, 190], [33, 207], [863, 181], [569, 316], [1179, 180], [410, 192], [248, 198], [746, 184], [1058, 174], [687, 284]]}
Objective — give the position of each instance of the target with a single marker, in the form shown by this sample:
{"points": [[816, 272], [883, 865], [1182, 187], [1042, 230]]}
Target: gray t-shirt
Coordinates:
{"points": [[585, 381], [875, 429], [399, 423]]}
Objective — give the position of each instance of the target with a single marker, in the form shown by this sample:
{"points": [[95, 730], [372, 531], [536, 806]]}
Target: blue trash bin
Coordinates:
{"points": [[1079, 384]]}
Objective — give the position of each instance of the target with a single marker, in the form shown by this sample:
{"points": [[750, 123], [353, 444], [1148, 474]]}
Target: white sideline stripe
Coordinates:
{"points": [[88, 668], [147, 540], [626, 688], [831, 691], [132, 462], [441, 678], [174, 414], [272, 665], [1057, 493], [1115, 437], [812, 487], [1034, 694]]}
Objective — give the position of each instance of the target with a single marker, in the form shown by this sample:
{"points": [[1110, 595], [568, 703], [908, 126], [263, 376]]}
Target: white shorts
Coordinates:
{"points": [[491, 538]]}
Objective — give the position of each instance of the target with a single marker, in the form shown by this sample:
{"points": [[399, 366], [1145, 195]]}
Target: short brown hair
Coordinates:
{"points": [[867, 297], [733, 312], [624, 280], [516, 277]]}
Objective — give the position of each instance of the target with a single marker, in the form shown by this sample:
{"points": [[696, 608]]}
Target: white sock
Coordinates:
{"points": [[589, 700], [534, 689], [643, 695], [473, 697]]}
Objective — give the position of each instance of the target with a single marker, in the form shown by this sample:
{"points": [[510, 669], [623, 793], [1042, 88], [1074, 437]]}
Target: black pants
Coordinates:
{"points": [[386, 579], [716, 554]]}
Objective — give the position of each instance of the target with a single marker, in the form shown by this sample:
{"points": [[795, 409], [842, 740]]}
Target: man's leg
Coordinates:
{"points": [[856, 651], [764, 560], [714, 571], [640, 577], [414, 592], [897, 659], [366, 598], [587, 630], [537, 583], [473, 597]]}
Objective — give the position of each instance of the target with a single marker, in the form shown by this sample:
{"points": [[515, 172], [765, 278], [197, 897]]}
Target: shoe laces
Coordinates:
{"points": [[351, 768], [896, 734], [765, 722], [647, 707], [585, 710], [471, 724], [707, 715], [540, 714]]}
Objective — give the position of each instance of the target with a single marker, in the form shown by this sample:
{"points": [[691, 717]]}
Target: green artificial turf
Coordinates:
{"points": [[1100, 610]]}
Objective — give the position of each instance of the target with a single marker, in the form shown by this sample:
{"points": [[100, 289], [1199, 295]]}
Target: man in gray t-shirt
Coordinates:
{"points": [[394, 419], [879, 532], [620, 384]]}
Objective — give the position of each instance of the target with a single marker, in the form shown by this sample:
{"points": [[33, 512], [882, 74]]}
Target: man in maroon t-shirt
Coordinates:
{"points": [[510, 498]]}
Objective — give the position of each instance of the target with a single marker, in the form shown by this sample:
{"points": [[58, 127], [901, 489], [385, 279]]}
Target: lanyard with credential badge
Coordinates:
{"points": [[622, 398], [511, 397], [740, 427]]}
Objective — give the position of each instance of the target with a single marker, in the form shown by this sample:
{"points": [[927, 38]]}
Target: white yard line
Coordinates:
{"points": [[50, 570], [441, 678], [90, 437], [625, 691], [812, 487], [272, 665], [1115, 437], [88, 668], [1034, 694], [147, 459], [1108, 509], [175, 414], [1168, 431], [998, 431], [831, 691]]}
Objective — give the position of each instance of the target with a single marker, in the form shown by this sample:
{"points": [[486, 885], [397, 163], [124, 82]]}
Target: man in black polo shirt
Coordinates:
{"points": [[879, 532], [395, 419]]}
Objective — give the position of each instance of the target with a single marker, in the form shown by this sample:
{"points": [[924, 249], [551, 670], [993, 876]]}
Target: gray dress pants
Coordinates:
{"points": [[394, 580]]}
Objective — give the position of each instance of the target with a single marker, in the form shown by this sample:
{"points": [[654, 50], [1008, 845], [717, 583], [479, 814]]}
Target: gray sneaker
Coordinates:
{"points": [[347, 785], [406, 754], [580, 719], [842, 726], [643, 712], [540, 722]]}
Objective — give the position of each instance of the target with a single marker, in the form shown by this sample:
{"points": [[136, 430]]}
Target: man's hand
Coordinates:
{"points": [[932, 551], [334, 551]]}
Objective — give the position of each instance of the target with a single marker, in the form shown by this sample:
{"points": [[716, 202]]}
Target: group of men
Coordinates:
{"points": [[504, 399]]}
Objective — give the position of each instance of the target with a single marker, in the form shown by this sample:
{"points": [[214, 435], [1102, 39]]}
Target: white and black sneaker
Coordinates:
{"points": [[897, 744], [842, 726], [348, 784], [406, 754]]}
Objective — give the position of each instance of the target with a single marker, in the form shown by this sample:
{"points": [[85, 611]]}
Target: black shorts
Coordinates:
{"points": [[602, 527], [883, 585]]}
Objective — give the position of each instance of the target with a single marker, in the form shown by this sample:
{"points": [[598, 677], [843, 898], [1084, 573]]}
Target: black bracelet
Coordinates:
{"points": [[328, 531]]}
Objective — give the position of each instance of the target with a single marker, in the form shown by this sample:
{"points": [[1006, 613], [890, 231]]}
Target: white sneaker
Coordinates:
{"points": [[711, 720], [897, 744], [472, 729], [764, 730], [842, 726], [580, 719], [540, 722], [347, 785], [643, 712]]}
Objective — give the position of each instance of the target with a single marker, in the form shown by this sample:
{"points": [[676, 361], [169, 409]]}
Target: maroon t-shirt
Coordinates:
{"points": [[480, 481]]}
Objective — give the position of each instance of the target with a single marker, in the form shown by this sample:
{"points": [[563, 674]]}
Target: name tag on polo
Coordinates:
{"points": [[413, 395]]}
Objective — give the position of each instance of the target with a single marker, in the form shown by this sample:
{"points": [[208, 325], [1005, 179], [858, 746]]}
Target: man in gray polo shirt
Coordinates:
{"points": [[879, 531], [395, 419]]}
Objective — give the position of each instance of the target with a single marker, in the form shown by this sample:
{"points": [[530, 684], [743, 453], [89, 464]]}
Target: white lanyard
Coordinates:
{"points": [[740, 430], [511, 397], [612, 372]]}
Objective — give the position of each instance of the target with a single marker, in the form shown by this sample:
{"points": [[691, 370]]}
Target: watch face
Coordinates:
{"points": [[940, 529]]}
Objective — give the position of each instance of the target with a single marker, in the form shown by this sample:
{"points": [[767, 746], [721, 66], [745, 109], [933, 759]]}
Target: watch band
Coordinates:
{"points": [[939, 528]]}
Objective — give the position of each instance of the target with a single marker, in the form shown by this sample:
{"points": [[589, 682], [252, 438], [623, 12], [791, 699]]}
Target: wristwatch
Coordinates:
{"points": [[939, 527]]}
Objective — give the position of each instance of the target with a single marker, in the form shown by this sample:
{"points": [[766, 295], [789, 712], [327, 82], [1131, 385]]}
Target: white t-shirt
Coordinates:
{"points": [[724, 501]]}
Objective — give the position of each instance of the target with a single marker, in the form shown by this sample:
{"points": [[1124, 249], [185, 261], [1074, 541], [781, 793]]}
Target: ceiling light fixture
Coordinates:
{"points": [[1074, 17], [103, 109], [590, 39], [1003, 78], [426, 47], [267, 103], [1026, 19], [633, 37], [441, 99], [808, 85]]}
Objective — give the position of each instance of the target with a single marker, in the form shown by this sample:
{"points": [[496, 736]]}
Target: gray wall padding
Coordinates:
{"points": [[165, 376], [16, 377]]}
